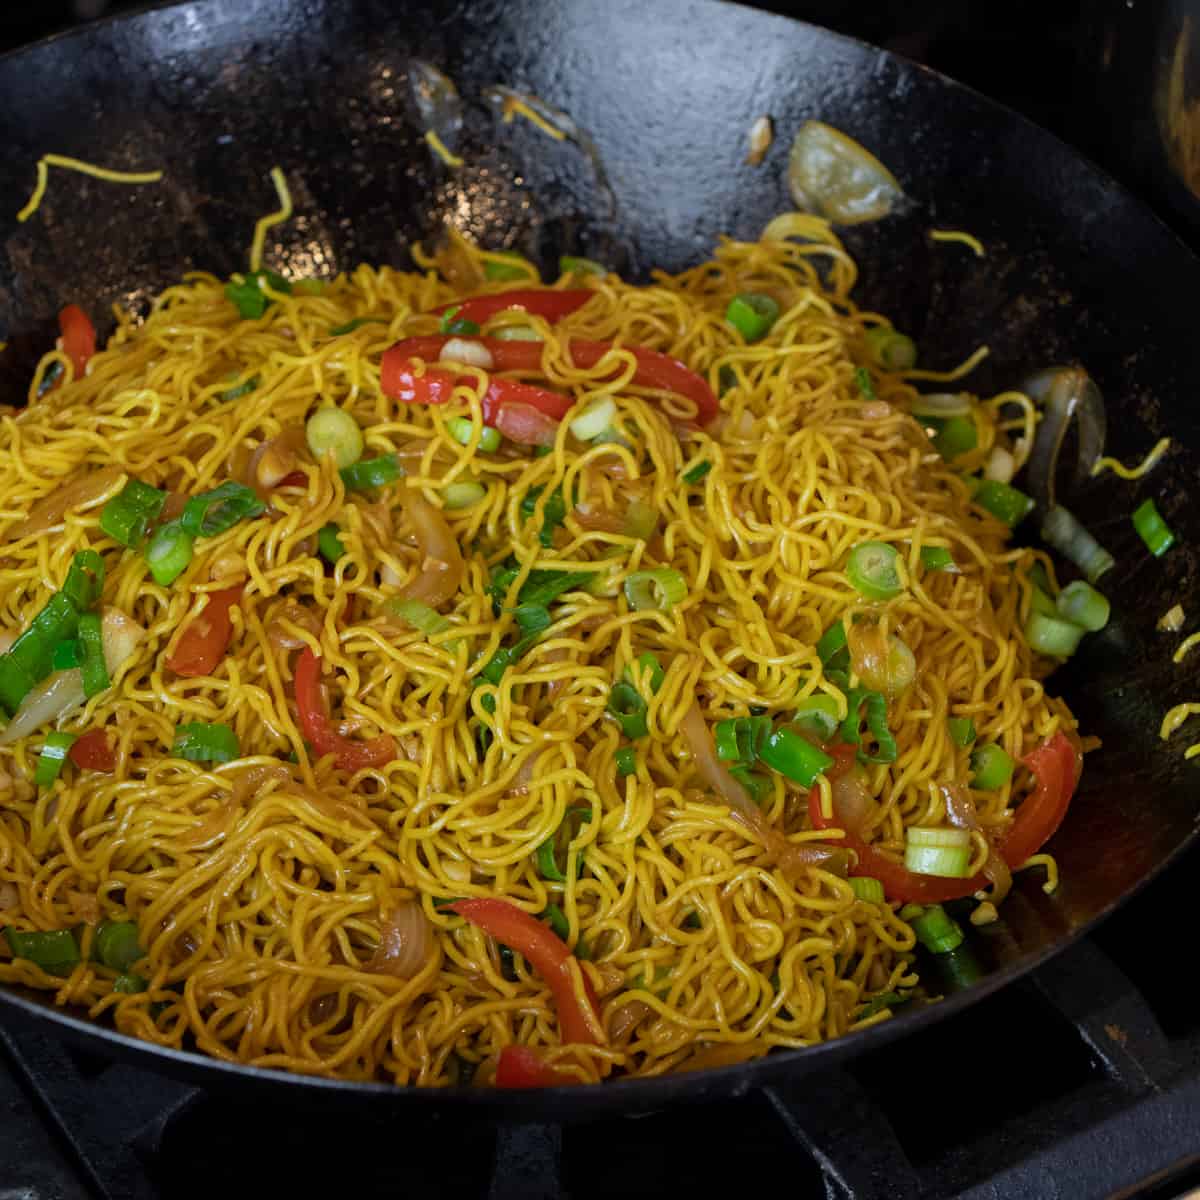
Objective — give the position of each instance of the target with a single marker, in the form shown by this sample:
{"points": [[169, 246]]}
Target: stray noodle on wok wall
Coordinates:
{"points": [[437, 675]]}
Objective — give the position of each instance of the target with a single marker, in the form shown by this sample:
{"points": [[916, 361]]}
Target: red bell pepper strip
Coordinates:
{"points": [[540, 302], [351, 755], [1054, 765], [520, 1067], [654, 370], [207, 635], [78, 337], [549, 956], [92, 752]]}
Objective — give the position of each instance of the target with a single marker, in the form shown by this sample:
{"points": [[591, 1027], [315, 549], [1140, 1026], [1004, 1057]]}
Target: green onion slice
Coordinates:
{"points": [[752, 314], [1082, 605], [891, 350], [649, 668], [370, 473], [1152, 529], [554, 511], [462, 430], [992, 767], [1005, 502], [873, 571], [91, 655], [626, 761], [420, 616], [790, 753], [127, 516], [240, 389], [215, 511], [462, 494], [169, 552], [627, 707], [756, 783], [866, 888], [332, 430], [50, 762], [557, 920], [594, 419], [572, 264], [936, 931], [246, 294], [862, 378], [66, 655], [116, 944], [832, 649], [696, 473], [1052, 637], [1062, 530], [957, 436], [33, 652], [131, 984], [554, 849], [85, 580], [740, 739], [329, 543], [962, 730], [659, 589], [198, 741], [817, 714], [942, 852], [876, 721], [55, 950], [506, 265], [356, 323], [938, 558]]}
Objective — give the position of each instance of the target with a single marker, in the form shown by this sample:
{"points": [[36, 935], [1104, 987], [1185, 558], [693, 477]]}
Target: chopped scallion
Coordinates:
{"points": [[756, 783], [1005, 502], [463, 494], [1082, 605], [452, 324], [370, 473], [962, 731], [790, 753], [698, 472], [198, 741], [1152, 529], [740, 739], [1052, 637], [116, 944], [832, 649], [752, 314], [462, 430], [127, 516], [818, 714], [942, 852], [891, 350], [215, 511], [329, 543], [85, 580], [1062, 530], [873, 571], [53, 755], [627, 707], [169, 552], [937, 558], [246, 293], [957, 436], [991, 766], [659, 589], [332, 430], [626, 761], [91, 655], [862, 377], [55, 951], [866, 888]]}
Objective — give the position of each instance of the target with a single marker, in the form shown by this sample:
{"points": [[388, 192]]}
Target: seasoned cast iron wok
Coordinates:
{"points": [[217, 92]]}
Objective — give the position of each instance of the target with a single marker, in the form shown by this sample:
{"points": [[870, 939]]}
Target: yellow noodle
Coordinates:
{"points": [[84, 168], [515, 107], [957, 235], [261, 888], [442, 150], [1188, 642], [271, 219], [1144, 467], [1176, 717]]}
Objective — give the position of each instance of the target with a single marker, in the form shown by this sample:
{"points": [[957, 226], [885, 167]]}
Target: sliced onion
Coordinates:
{"points": [[405, 942], [273, 461], [79, 493], [1001, 465], [961, 811], [832, 175], [794, 858], [884, 664], [62, 692], [854, 808], [941, 405], [1066, 533], [1068, 393], [467, 352], [704, 755], [442, 560]]}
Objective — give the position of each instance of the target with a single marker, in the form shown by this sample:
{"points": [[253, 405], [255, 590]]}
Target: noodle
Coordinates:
{"points": [[1143, 468], [271, 219], [263, 888], [957, 235], [84, 168], [442, 150]]}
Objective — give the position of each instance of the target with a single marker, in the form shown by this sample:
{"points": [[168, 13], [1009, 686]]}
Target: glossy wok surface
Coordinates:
{"points": [[215, 93]]}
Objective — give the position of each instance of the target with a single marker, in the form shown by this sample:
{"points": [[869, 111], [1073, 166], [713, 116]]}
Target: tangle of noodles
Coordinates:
{"points": [[272, 893]]}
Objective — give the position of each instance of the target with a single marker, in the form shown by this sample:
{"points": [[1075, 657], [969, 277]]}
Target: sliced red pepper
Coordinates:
{"points": [[520, 1067], [654, 370], [350, 755], [78, 337], [206, 637], [540, 302], [1054, 765], [91, 751], [549, 957]]}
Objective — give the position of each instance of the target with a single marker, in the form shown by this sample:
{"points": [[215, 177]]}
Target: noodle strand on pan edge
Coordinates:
{"points": [[293, 914]]}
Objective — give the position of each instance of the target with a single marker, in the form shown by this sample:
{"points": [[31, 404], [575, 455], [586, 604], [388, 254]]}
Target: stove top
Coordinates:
{"points": [[1081, 1082]]}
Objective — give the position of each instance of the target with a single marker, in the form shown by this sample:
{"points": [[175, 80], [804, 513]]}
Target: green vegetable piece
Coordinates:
{"points": [[957, 436], [992, 767], [198, 741], [1152, 529], [1005, 502], [818, 715], [91, 656], [116, 944], [246, 294], [370, 473], [962, 731], [697, 473], [873, 570], [627, 706], [53, 755], [937, 558], [85, 580], [626, 761], [55, 951], [169, 553], [215, 511], [752, 314], [791, 754], [127, 516], [329, 543]]}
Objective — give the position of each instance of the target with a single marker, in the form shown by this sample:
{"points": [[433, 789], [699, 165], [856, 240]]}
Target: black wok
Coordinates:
{"points": [[218, 92]]}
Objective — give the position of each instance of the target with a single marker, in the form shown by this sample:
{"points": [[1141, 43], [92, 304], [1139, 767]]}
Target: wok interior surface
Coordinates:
{"points": [[216, 93]]}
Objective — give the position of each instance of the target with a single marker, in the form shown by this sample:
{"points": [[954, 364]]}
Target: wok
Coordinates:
{"points": [[217, 92]]}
